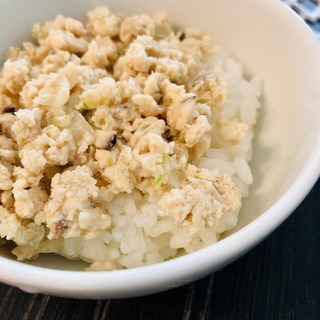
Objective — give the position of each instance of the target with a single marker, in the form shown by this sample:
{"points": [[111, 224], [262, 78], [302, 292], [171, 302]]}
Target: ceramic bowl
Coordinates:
{"points": [[271, 41]]}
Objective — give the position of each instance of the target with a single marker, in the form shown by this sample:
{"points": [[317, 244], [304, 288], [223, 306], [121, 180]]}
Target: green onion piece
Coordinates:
{"points": [[85, 106], [158, 180], [163, 160]]}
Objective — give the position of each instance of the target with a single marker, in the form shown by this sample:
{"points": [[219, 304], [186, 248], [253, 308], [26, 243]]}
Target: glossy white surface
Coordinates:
{"points": [[271, 41]]}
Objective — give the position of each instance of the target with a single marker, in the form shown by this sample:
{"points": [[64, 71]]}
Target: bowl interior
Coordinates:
{"points": [[271, 42]]}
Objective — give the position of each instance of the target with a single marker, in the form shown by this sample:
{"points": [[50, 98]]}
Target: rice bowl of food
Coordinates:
{"points": [[142, 149]]}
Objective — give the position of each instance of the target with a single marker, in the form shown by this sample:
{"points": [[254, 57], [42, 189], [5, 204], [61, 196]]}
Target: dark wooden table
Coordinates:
{"points": [[279, 279]]}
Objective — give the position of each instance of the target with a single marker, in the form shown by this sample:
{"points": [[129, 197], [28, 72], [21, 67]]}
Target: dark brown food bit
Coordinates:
{"points": [[167, 134], [111, 142], [9, 110], [86, 112], [60, 227], [182, 36]]}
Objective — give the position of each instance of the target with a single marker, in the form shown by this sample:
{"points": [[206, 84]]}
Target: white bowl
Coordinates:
{"points": [[272, 42]]}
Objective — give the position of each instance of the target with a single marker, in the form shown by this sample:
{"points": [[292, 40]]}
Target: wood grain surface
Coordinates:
{"points": [[279, 279]]}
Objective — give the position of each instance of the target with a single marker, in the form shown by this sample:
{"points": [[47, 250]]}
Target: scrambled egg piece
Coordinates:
{"points": [[91, 111]]}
